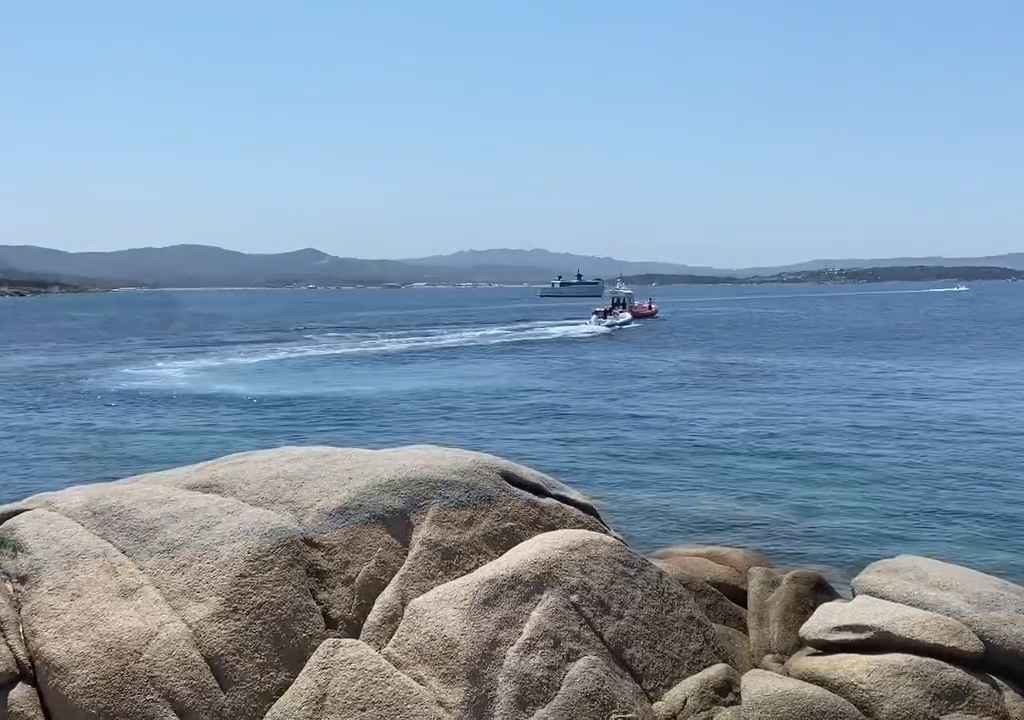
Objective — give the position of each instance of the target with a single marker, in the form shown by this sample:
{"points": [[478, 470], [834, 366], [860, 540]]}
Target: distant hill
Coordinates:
{"points": [[208, 266], [544, 264]]}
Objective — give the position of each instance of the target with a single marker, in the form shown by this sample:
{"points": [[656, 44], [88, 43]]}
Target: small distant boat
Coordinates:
{"points": [[573, 288], [603, 317], [961, 287]]}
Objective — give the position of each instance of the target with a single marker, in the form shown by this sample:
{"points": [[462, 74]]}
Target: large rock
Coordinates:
{"points": [[769, 696], [739, 559], [716, 687], [725, 568], [728, 581], [867, 624], [349, 679], [779, 604], [203, 591], [992, 608], [498, 643], [896, 686]]}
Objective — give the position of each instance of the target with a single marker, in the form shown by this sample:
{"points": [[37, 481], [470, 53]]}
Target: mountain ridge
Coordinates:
{"points": [[196, 265]]}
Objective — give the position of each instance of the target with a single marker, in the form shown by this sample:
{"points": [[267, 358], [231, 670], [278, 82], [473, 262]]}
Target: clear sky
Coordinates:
{"points": [[717, 133]]}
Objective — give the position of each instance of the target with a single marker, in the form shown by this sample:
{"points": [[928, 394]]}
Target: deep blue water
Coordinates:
{"points": [[826, 425]]}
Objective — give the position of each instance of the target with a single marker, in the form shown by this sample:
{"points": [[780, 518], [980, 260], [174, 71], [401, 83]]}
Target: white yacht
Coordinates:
{"points": [[573, 288]]}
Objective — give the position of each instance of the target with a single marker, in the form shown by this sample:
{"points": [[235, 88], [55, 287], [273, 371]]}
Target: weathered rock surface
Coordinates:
{"points": [[736, 646], [778, 606], [716, 687], [773, 663], [867, 624], [349, 679], [728, 581], [9, 672], [730, 713], [1013, 699], [11, 639], [991, 607], [22, 703], [203, 591], [496, 643], [769, 696], [896, 686], [594, 689]]}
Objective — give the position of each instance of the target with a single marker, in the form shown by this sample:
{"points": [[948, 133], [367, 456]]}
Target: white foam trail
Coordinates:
{"points": [[342, 344], [775, 296]]}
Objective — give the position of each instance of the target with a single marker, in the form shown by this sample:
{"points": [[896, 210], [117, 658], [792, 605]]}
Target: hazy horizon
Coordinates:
{"points": [[717, 136]]}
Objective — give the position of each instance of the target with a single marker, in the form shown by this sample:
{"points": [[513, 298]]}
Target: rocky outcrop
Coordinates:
{"points": [[867, 624], [779, 605], [496, 643], [207, 588], [992, 608], [319, 583]]}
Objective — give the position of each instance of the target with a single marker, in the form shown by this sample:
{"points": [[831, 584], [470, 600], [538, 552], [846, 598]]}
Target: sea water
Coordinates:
{"points": [[826, 425]]}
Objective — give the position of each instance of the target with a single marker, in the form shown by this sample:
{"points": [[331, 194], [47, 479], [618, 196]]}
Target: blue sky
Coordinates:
{"points": [[709, 133]]}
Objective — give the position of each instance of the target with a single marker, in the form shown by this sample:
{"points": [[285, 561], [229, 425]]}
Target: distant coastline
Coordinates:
{"points": [[204, 266], [912, 273], [832, 276]]}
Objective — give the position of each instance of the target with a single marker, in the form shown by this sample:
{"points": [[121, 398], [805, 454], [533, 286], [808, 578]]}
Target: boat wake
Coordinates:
{"points": [[341, 344]]}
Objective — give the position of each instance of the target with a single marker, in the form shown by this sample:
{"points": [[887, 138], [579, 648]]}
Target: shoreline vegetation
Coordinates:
{"points": [[23, 287], [428, 582]]}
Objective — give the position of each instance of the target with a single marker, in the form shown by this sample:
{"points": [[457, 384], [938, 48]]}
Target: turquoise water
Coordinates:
{"points": [[826, 425]]}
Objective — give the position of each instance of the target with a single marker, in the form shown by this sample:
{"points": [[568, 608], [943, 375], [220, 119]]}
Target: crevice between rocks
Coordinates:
{"points": [[365, 594], [612, 653], [534, 488], [402, 530]]}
